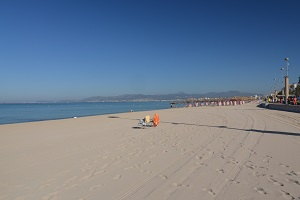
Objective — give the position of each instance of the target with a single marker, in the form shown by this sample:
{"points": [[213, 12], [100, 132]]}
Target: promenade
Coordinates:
{"points": [[283, 107], [224, 153]]}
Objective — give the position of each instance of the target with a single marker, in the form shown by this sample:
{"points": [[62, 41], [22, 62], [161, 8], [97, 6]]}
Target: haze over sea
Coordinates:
{"points": [[30, 112]]}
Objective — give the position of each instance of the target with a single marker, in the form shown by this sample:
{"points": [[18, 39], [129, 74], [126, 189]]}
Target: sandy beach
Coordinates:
{"points": [[229, 152]]}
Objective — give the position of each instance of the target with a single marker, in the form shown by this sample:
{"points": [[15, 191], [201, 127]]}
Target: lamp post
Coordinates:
{"points": [[282, 91], [287, 66], [287, 81]]}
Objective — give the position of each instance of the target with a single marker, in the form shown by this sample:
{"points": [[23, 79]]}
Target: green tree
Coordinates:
{"points": [[297, 91]]}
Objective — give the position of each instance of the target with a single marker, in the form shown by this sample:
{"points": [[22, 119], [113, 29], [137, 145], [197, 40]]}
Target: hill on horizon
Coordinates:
{"points": [[176, 96]]}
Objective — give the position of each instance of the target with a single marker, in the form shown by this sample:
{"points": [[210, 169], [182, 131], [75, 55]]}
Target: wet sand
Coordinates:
{"points": [[232, 152]]}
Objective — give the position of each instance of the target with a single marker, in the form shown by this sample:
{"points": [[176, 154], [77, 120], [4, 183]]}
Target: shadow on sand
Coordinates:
{"points": [[222, 127], [247, 130]]}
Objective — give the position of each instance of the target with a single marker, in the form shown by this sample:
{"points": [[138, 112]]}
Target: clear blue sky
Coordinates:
{"points": [[57, 50]]}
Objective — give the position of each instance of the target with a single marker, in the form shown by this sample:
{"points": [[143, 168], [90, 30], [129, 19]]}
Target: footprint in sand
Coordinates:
{"points": [[282, 165], [262, 167], [291, 173], [250, 166], [286, 194], [267, 158], [164, 177], [257, 174], [252, 152], [260, 190], [198, 157], [200, 164], [293, 181], [147, 162], [275, 181], [231, 160], [209, 190], [133, 167], [180, 185]]}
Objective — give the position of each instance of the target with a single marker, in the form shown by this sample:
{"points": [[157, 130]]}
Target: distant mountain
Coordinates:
{"points": [[176, 96]]}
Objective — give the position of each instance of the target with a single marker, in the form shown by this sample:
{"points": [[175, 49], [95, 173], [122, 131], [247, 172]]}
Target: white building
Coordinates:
{"points": [[293, 86]]}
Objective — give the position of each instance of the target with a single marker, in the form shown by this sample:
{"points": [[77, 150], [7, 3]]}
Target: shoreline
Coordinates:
{"points": [[75, 117], [58, 111]]}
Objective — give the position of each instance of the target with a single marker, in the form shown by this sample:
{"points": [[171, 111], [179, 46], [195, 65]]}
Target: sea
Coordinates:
{"points": [[31, 112]]}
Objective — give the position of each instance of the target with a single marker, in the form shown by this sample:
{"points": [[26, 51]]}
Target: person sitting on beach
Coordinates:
{"points": [[150, 122]]}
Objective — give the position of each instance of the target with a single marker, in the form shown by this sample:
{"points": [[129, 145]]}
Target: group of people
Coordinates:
{"points": [[290, 100]]}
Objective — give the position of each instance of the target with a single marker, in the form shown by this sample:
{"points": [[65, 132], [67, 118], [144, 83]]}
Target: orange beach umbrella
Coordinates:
{"points": [[156, 120]]}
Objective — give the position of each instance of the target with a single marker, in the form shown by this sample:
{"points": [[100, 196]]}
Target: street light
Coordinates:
{"points": [[282, 69], [287, 81], [287, 66]]}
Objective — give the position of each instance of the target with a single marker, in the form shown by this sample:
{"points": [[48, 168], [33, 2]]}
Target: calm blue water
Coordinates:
{"points": [[16, 113]]}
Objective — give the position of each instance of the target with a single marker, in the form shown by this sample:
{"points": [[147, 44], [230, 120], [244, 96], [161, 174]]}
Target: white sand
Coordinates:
{"points": [[234, 152]]}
